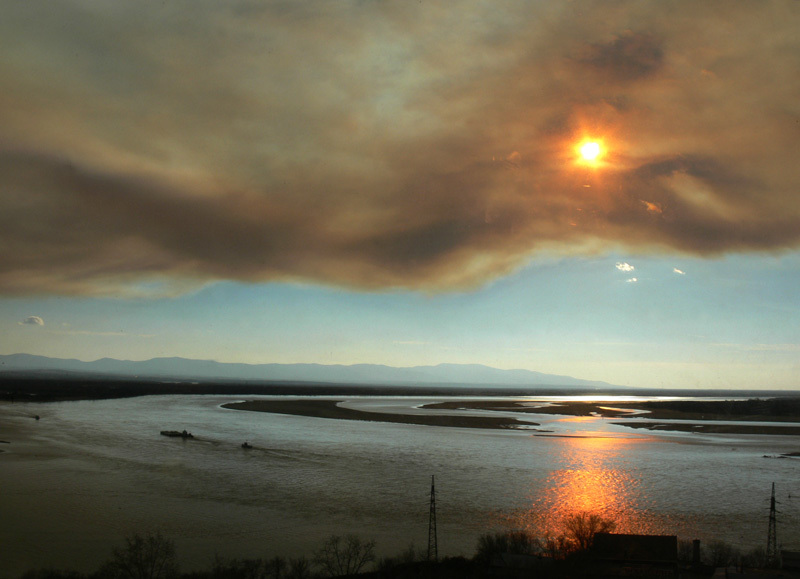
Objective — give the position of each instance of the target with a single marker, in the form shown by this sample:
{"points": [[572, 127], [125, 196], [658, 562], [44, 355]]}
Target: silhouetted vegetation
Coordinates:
{"points": [[143, 557], [721, 554], [246, 568], [344, 555], [784, 408], [492, 545], [582, 527], [409, 557], [51, 574], [48, 387], [512, 553], [578, 535]]}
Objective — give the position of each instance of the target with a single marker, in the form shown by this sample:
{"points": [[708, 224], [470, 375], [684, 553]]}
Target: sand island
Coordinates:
{"points": [[712, 416]]}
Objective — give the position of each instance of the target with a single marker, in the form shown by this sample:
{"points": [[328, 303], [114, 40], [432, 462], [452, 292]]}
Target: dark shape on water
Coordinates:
{"points": [[177, 434], [246, 445], [36, 417]]}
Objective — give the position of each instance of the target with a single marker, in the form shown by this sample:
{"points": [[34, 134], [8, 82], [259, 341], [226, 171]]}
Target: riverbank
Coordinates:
{"points": [[330, 409]]}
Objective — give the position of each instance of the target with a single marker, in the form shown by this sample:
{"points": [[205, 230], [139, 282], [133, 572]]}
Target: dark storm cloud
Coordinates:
{"points": [[383, 144]]}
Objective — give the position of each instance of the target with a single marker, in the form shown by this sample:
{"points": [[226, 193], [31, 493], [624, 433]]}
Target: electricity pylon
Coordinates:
{"points": [[433, 547], [772, 533]]}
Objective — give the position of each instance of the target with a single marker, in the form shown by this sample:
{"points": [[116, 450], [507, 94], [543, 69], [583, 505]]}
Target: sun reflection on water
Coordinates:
{"points": [[587, 479]]}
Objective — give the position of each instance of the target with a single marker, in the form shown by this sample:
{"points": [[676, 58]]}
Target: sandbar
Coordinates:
{"points": [[707, 411], [652, 411], [331, 409], [740, 410], [565, 408], [710, 428]]}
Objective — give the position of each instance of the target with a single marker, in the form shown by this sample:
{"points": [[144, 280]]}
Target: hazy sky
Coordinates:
{"points": [[399, 182]]}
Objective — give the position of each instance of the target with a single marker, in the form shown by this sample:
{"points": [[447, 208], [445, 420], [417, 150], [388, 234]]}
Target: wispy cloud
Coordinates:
{"points": [[104, 334], [377, 145], [32, 321], [787, 347]]}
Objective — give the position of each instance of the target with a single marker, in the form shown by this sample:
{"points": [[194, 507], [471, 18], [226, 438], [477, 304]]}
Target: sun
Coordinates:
{"points": [[590, 151]]}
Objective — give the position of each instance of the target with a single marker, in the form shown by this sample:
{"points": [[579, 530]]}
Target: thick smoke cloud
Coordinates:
{"points": [[626, 58], [385, 144]]}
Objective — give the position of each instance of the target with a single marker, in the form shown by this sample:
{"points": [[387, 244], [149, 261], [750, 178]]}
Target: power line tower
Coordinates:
{"points": [[433, 546], [772, 533]]}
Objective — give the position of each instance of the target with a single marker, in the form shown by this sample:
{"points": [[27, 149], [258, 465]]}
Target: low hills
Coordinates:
{"points": [[373, 374]]}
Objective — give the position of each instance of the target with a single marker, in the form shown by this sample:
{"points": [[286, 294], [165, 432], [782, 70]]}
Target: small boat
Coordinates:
{"points": [[177, 434], [246, 445]]}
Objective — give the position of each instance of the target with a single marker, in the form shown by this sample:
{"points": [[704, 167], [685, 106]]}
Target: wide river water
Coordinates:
{"points": [[76, 482]]}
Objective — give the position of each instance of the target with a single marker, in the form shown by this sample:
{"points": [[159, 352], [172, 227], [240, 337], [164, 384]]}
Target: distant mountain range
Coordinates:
{"points": [[186, 369]]}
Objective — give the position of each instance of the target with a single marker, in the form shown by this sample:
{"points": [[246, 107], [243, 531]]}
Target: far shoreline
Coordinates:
{"points": [[56, 387]]}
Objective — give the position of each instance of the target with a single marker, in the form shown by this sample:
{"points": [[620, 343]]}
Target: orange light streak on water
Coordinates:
{"points": [[579, 419], [588, 482]]}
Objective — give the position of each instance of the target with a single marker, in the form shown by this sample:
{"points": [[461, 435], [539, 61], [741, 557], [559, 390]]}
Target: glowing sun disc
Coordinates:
{"points": [[590, 151]]}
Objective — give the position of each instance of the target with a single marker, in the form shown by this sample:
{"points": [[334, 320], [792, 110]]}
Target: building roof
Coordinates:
{"points": [[635, 548]]}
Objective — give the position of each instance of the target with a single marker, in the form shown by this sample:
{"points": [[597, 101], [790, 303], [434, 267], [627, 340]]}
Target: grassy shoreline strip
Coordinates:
{"points": [[330, 409]]}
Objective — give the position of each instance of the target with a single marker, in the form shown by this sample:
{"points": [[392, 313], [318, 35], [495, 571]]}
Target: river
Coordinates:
{"points": [[76, 482]]}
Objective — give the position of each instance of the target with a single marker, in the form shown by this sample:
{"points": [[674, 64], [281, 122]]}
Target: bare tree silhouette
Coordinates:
{"points": [[582, 527], [148, 557], [344, 556]]}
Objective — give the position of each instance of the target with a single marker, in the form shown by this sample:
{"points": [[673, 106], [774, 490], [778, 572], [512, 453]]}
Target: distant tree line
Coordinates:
{"points": [[58, 386], [153, 556], [776, 408]]}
